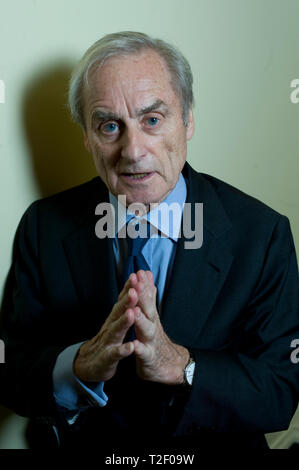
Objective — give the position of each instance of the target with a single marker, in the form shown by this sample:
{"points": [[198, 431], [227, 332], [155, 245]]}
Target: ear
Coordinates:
{"points": [[190, 125], [86, 141]]}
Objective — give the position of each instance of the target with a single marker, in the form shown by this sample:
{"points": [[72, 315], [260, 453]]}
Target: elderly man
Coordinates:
{"points": [[190, 347]]}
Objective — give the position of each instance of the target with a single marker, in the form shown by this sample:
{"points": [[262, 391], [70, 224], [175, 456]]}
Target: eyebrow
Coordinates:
{"points": [[158, 104], [99, 115]]}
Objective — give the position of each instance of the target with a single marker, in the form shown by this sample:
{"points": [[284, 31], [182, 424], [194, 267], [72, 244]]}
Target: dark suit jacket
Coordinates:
{"points": [[233, 302]]}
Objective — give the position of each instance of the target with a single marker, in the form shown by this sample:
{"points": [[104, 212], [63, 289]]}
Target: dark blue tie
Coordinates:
{"points": [[135, 261]]}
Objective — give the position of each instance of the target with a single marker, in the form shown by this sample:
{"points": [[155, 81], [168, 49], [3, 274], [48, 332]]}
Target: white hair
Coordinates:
{"points": [[125, 43]]}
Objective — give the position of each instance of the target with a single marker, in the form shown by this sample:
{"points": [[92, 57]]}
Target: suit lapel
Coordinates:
{"points": [[198, 274]]}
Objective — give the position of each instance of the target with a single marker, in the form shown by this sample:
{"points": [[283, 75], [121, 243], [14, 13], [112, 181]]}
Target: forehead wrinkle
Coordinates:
{"points": [[123, 92], [144, 73]]}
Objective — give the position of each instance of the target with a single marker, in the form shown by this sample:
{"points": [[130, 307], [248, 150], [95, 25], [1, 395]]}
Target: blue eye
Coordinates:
{"points": [[110, 128], [152, 121]]}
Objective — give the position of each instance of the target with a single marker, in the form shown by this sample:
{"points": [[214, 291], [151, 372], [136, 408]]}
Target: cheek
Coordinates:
{"points": [[169, 146], [105, 155], [176, 157], [173, 152]]}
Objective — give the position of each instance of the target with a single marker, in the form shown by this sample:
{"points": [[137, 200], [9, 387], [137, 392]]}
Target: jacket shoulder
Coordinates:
{"points": [[73, 200], [62, 211]]}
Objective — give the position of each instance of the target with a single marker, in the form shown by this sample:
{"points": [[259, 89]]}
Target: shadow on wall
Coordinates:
{"points": [[58, 160], [58, 157]]}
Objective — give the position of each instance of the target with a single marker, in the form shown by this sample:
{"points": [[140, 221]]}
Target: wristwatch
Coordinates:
{"points": [[189, 371]]}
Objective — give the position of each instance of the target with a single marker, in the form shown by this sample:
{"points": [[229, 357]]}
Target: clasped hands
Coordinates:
{"points": [[158, 359]]}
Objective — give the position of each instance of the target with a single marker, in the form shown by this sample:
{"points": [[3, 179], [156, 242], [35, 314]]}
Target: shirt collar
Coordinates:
{"points": [[166, 217]]}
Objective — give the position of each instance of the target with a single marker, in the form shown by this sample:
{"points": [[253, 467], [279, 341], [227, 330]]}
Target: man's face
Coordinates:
{"points": [[134, 127]]}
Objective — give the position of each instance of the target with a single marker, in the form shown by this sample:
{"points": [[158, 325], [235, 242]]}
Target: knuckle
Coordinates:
{"points": [[113, 353], [125, 320], [152, 335]]}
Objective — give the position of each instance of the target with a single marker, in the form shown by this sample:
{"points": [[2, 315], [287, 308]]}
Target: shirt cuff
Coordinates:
{"points": [[71, 393]]}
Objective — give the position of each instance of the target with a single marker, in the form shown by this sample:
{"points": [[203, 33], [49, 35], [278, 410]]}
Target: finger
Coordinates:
{"points": [[147, 298], [145, 276], [141, 351], [117, 331], [144, 328], [129, 300], [116, 353], [150, 276], [141, 275], [131, 282]]}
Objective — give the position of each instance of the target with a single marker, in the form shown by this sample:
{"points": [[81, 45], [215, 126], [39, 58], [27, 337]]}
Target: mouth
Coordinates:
{"points": [[138, 176]]}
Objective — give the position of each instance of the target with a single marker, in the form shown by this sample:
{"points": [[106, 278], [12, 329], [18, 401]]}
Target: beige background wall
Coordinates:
{"points": [[244, 55]]}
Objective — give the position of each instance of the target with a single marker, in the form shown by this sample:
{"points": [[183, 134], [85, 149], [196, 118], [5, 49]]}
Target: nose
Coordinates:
{"points": [[133, 144]]}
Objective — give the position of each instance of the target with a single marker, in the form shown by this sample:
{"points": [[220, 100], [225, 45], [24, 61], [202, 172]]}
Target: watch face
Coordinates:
{"points": [[189, 372]]}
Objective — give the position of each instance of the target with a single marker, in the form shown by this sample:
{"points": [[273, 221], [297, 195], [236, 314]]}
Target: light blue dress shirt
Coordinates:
{"points": [[71, 394]]}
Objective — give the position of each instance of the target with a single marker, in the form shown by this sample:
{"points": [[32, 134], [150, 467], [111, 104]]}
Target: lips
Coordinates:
{"points": [[138, 176]]}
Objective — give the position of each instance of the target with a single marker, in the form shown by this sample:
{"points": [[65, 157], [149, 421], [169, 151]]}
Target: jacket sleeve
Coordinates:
{"points": [[30, 347], [253, 385]]}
